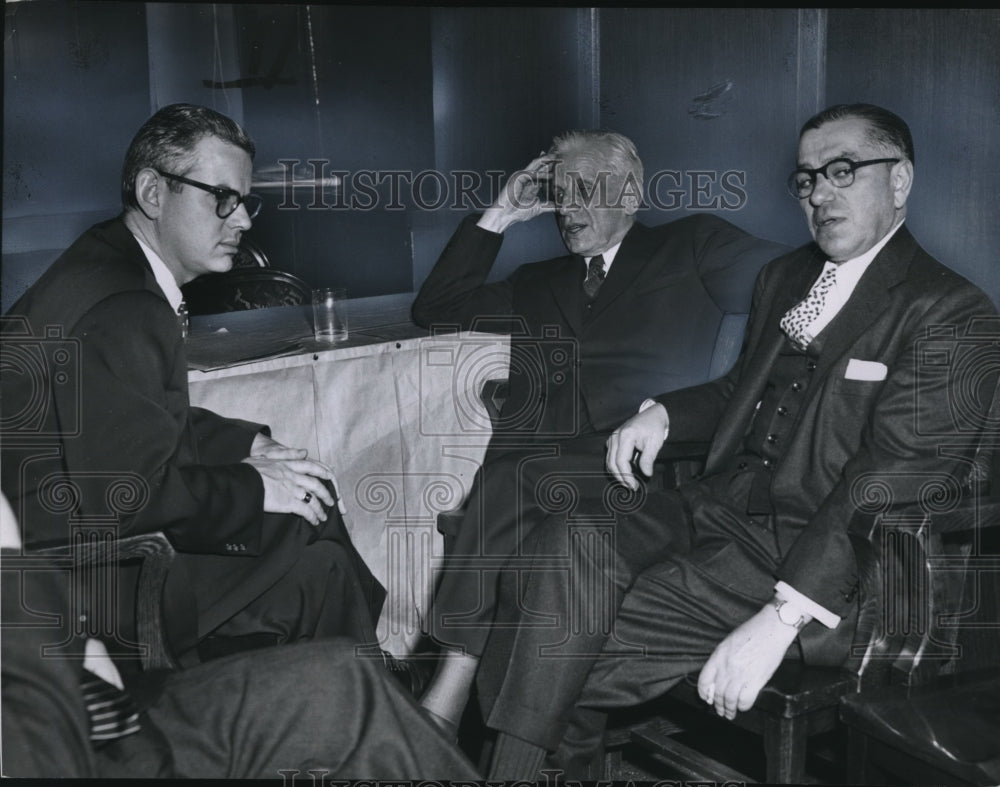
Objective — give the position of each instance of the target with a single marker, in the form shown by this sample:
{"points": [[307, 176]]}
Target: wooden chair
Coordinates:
{"points": [[947, 731], [97, 558], [250, 255], [244, 288]]}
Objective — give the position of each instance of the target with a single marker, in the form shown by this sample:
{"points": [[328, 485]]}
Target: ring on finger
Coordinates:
{"points": [[308, 497]]}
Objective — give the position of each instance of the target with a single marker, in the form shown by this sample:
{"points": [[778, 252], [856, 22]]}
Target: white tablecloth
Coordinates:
{"points": [[400, 422]]}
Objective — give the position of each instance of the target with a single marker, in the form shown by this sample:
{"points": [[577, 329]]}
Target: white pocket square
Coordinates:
{"points": [[865, 370]]}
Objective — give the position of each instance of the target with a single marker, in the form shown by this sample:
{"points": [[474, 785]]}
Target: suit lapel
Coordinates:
{"points": [[867, 302], [566, 283], [636, 252]]}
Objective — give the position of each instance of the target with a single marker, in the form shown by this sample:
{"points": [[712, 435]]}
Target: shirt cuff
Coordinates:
{"points": [[807, 605], [649, 403]]}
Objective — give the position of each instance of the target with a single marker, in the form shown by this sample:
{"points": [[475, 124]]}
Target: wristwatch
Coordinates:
{"points": [[789, 614]]}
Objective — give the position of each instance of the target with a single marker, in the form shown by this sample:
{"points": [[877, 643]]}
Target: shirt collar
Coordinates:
{"points": [[163, 276], [609, 256], [849, 273]]}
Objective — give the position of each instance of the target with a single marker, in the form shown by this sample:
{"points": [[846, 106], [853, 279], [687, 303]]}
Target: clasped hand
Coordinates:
{"points": [[293, 484]]}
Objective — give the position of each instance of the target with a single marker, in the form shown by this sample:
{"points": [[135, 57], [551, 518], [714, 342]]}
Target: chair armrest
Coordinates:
{"points": [[156, 553], [909, 579]]}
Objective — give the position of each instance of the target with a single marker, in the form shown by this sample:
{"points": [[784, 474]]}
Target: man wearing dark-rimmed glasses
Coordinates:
{"points": [[263, 553]]}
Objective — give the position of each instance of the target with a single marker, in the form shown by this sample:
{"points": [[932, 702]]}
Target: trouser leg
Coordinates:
{"points": [[676, 612], [311, 707], [557, 610], [515, 490]]}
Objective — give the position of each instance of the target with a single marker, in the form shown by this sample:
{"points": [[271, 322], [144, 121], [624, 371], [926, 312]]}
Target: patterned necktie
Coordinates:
{"points": [[797, 320], [182, 319], [595, 276], [110, 709]]}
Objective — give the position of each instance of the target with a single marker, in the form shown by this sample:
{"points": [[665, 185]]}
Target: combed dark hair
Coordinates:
{"points": [[616, 148], [167, 141], [885, 129]]}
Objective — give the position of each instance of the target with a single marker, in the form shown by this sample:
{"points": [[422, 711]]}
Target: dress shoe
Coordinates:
{"points": [[412, 674], [448, 728]]}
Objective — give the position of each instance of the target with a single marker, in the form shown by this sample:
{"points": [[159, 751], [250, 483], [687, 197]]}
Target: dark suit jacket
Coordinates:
{"points": [[850, 431], [98, 396], [652, 327]]}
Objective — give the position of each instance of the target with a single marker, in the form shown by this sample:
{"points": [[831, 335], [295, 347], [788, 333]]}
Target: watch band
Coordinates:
{"points": [[789, 614]]}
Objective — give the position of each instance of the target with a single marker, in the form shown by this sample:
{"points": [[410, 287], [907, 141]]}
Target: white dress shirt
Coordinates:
{"points": [[162, 275]]}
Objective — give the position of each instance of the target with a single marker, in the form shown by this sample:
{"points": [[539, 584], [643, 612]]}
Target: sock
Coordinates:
{"points": [[514, 758]]}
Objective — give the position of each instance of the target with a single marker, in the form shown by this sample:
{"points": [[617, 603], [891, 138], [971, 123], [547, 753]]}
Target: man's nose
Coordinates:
{"points": [[240, 218], [567, 205], [823, 190]]}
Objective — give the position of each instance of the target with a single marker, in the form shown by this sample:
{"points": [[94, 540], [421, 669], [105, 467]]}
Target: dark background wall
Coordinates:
{"points": [[713, 98]]}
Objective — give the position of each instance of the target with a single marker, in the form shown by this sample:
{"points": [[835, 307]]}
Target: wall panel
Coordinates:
{"points": [[708, 91]]}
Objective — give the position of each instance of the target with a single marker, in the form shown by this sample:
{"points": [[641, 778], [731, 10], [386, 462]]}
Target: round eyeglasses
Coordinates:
{"points": [[840, 172], [226, 200]]}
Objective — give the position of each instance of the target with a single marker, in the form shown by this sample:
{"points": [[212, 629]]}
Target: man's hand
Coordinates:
{"points": [[264, 447], [521, 198], [744, 662], [644, 433]]}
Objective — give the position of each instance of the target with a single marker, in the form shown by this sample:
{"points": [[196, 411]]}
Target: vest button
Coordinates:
{"points": [[811, 366], [782, 410], [772, 438], [741, 466], [766, 463], [796, 386]]}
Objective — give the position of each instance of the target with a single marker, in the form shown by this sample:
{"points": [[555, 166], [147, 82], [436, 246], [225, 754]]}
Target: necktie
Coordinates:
{"points": [[595, 276], [110, 709], [797, 320], [182, 319]]}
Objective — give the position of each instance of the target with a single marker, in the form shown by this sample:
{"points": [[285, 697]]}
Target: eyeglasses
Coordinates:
{"points": [[226, 200], [840, 172]]}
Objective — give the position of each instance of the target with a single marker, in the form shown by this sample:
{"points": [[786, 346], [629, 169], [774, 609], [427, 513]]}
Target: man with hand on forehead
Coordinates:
{"points": [[629, 309]]}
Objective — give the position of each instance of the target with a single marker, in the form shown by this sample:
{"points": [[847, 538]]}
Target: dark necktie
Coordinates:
{"points": [[595, 276]]}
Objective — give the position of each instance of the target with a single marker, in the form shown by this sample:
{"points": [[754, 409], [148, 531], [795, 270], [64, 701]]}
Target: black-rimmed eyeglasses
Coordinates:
{"points": [[226, 200], [840, 172]]}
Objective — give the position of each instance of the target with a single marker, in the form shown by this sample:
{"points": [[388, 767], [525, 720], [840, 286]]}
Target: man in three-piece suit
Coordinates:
{"points": [[751, 562], [630, 309], [98, 426]]}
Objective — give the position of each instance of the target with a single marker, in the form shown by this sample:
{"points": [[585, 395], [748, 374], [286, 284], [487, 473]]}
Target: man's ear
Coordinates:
{"points": [[631, 195], [902, 182], [149, 192]]}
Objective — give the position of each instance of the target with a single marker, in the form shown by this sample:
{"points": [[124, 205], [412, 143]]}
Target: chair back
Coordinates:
{"points": [[244, 288], [917, 586]]}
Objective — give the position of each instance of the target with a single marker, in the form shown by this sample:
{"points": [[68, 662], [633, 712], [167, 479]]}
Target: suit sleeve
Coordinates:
{"points": [[898, 455], [135, 418], [456, 292], [729, 261], [222, 440], [695, 412]]}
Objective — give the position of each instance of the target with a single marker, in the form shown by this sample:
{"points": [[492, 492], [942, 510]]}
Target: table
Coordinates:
{"points": [[394, 410]]}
